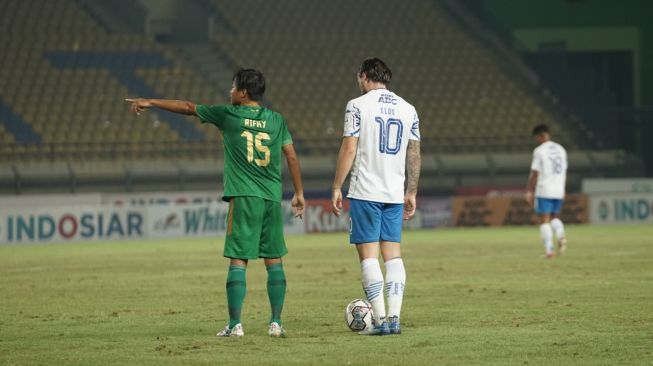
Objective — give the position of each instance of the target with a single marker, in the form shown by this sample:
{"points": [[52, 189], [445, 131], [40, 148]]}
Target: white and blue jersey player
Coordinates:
{"points": [[546, 188], [381, 150]]}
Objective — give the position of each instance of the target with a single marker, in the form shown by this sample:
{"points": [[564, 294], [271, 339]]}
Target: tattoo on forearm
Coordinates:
{"points": [[414, 162]]}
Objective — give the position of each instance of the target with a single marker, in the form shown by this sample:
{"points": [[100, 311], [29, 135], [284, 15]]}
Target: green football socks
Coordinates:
{"points": [[276, 290], [236, 290]]}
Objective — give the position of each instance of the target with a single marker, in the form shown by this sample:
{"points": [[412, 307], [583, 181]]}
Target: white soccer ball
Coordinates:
{"points": [[358, 315]]}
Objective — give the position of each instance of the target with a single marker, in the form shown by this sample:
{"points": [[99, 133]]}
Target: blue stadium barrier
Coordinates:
{"points": [[15, 125]]}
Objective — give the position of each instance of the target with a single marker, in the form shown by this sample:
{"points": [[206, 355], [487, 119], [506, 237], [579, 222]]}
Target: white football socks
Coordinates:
{"points": [[558, 228], [372, 279], [546, 233], [395, 281]]}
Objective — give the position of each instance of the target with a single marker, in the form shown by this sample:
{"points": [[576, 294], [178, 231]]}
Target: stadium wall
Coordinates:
{"points": [[69, 223], [134, 216], [515, 17]]}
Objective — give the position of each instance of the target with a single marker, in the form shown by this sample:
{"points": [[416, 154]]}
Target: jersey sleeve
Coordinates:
{"points": [[214, 114], [536, 164], [286, 138], [414, 129], [352, 120]]}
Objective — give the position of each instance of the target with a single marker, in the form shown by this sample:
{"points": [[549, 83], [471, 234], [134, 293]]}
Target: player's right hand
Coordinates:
{"points": [[410, 204], [138, 105], [336, 201]]}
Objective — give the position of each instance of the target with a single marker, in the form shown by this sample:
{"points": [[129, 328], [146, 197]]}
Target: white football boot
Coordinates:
{"points": [[236, 331], [276, 330]]}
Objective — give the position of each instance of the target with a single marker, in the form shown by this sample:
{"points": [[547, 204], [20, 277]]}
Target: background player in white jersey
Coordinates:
{"points": [[380, 147], [546, 188]]}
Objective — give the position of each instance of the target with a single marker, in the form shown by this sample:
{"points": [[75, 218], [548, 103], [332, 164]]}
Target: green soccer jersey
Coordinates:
{"points": [[252, 137]]}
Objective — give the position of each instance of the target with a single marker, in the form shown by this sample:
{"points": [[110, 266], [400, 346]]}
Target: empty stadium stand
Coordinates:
{"points": [[65, 71], [467, 99], [64, 80]]}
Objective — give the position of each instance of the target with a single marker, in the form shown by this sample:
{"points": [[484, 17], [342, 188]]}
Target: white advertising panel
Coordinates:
{"points": [[623, 208], [72, 223], [62, 218], [207, 219]]}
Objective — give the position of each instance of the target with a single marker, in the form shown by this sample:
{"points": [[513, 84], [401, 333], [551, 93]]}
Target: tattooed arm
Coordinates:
{"points": [[413, 166]]}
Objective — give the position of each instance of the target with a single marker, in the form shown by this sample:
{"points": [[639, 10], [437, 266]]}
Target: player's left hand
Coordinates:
{"points": [[298, 205], [138, 105], [410, 204]]}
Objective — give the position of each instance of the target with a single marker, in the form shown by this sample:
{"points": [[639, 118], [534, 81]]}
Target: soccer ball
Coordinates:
{"points": [[358, 315]]}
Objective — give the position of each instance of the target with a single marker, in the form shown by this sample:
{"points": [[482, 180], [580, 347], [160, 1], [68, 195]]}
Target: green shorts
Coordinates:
{"points": [[254, 229]]}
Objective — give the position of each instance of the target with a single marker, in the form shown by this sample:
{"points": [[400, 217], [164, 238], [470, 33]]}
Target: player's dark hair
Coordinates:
{"points": [[251, 81], [540, 129], [375, 70]]}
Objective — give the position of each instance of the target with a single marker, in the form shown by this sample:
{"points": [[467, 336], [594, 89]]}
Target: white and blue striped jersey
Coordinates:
{"points": [[384, 123], [550, 163]]}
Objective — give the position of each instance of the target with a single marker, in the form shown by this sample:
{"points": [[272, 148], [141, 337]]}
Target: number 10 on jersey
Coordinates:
{"points": [[390, 135]]}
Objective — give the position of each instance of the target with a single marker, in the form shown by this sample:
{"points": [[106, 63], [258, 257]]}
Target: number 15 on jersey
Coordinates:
{"points": [[256, 140]]}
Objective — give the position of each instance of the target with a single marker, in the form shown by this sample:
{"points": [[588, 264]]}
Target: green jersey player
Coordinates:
{"points": [[254, 138]]}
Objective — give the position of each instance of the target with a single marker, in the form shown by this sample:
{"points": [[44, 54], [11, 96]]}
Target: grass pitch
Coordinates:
{"points": [[473, 296]]}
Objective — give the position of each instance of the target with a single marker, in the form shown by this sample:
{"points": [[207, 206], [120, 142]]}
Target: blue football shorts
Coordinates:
{"points": [[547, 205], [371, 222]]}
